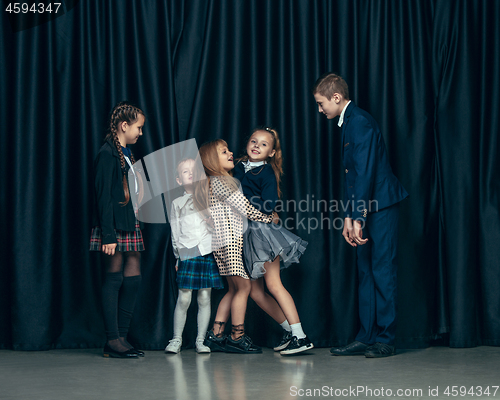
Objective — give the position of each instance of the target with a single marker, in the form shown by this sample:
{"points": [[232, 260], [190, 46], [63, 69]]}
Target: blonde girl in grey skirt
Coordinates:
{"points": [[269, 248]]}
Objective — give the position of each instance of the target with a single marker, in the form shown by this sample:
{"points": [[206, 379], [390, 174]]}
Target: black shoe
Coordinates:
{"points": [[215, 343], [140, 353], [352, 349], [287, 336], [297, 346], [109, 352], [379, 350], [243, 345]]}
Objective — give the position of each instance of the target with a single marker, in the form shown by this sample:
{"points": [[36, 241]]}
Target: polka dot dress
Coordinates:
{"points": [[229, 208]]}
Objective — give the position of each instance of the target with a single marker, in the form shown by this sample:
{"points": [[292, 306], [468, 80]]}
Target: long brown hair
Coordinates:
{"points": [[122, 112], [277, 160], [209, 156]]}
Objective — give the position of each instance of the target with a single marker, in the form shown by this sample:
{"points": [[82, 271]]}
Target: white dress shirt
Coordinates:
{"points": [[189, 229], [341, 119]]}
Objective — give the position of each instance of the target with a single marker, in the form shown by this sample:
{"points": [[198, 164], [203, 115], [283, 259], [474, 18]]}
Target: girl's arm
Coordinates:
{"points": [[103, 182], [232, 196]]}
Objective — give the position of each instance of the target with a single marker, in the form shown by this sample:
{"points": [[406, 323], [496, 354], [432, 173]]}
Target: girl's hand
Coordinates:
{"points": [[276, 218], [177, 266], [210, 222], [109, 249]]}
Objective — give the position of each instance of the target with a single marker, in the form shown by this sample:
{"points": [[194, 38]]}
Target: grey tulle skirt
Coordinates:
{"points": [[264, 242]]}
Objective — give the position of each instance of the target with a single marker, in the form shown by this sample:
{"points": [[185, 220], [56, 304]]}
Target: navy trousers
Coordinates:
{"points": [[377, 273]]}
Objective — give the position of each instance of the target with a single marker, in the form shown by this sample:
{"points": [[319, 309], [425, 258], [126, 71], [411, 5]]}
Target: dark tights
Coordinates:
{"points": [[119, 292]]}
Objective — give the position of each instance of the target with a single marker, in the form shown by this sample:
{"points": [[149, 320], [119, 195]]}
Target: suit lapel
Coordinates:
{"points": [[343, 138], [347, 114]]}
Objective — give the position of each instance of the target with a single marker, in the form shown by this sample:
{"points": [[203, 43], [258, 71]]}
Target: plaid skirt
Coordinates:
{"points": [[199, 273], [126, 240]]}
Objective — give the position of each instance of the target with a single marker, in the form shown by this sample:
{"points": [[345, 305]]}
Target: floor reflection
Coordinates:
{"points": [[237, 376]]}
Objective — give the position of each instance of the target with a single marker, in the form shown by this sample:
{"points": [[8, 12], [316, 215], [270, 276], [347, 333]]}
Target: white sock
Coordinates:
{"points": [[203, 311], [180, 313], [297, 330], [286, 326]]}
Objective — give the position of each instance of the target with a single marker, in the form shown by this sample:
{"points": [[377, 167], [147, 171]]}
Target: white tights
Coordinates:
{"points": [[180, 313]]}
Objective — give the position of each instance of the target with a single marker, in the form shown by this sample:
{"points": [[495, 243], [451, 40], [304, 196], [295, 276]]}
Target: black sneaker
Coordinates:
{"points": [[287, 336], [243, 345], [215, 343], [297, 346]]}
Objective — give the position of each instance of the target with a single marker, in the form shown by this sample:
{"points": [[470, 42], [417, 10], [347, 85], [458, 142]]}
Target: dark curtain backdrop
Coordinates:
{"points": [[426, 70]]}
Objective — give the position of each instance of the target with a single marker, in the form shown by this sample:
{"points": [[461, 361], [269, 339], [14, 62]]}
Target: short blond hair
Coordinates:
{"points": [[328, 84]]}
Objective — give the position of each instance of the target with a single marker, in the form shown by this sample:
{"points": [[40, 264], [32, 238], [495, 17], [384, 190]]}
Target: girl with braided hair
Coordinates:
{"points": [[116, 231]]}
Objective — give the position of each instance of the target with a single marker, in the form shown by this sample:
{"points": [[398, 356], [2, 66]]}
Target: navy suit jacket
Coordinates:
{"points": [[370, 184]]}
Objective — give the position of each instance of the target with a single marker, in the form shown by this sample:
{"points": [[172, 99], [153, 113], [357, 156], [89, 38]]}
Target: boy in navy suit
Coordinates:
{"points": [[371, 195]]}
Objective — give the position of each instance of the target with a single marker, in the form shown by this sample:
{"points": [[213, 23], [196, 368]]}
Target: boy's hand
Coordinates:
{"points": [[348, 232], [358, 234], [276, 218]]}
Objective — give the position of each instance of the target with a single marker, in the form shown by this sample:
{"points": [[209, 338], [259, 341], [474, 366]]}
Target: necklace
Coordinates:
{"points": [[261, 169]]}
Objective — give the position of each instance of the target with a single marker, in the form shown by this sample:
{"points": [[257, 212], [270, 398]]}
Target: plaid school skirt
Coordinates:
{"points": [[199, 273], [126, 240]]}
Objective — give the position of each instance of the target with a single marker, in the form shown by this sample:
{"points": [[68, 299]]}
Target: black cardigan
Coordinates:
{"points": [[108, 188], [259, 186]]}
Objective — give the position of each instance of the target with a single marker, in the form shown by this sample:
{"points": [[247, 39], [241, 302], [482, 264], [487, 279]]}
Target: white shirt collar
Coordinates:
{"points": [[184, 199], [248, 165], [341, 119]]}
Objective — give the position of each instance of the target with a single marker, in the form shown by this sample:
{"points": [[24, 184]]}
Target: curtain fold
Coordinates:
{"points": [[206, 69]]}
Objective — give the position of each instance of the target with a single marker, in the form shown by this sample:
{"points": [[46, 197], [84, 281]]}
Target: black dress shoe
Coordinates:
{"points": [[379, 350], [214, 342], [109, 352], [243, 345], [352, 349], [140, 353]]}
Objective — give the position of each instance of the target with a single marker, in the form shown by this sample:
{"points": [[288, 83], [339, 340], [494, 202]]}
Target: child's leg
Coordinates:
{"points": [[272, 308], [267, 303], [284, 299], [180, 312], [111, 285], [128, 293], [224, 309], [299, 342], [203, 312], [203, 320], [239, 305]]}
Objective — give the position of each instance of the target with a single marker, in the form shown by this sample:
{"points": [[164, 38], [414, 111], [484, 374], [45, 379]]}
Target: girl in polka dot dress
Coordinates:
{"points": [[229, 209]]}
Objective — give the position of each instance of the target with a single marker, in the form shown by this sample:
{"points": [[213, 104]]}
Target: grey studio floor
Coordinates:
{"points": [[411, 374]]}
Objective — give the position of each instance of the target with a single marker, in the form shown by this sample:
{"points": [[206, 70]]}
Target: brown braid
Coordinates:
{"points": [[122, 112]]}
